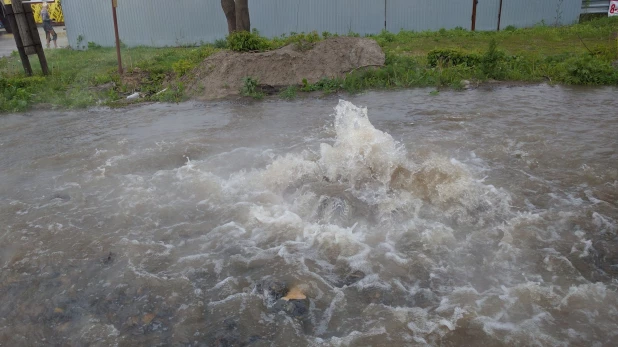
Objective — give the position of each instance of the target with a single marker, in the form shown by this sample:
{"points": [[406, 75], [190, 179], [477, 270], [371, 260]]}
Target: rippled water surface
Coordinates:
{"points": [[486, 217]]}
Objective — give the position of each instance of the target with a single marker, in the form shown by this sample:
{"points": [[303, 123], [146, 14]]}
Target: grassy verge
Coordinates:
{"points": [[86, 78], [580, 54]]}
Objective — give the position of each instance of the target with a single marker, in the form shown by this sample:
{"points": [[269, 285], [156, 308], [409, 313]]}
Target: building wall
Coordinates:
{"points": [[187, 22]]}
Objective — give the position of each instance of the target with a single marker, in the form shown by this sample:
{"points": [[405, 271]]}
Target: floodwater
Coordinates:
{"points": [[486, 217]]}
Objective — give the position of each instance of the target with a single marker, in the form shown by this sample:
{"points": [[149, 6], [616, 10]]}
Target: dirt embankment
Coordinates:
{"points": [[222, 74]]}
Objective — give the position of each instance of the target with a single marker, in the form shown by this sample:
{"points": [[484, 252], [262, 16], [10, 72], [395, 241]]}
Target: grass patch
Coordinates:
{"points": [[289, 93], [250, 88], [86, 78], [579, 54]]}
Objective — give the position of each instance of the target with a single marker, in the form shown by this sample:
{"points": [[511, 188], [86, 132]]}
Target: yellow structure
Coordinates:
{"points": [[55, 11]]}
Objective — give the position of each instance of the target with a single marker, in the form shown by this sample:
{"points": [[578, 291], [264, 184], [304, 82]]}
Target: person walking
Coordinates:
{"points": [[50, 33]]}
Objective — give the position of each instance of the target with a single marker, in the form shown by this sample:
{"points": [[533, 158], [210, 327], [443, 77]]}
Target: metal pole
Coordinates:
{"points": [[114, 5], [499, 15], [385, 10]]}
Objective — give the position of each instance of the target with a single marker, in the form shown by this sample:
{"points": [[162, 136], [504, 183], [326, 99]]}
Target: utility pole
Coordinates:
{"points": [[114, 5]]}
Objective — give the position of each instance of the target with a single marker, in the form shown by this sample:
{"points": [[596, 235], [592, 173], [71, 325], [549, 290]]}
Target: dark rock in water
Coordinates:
{"points": [[295, 308], [273, 290]]}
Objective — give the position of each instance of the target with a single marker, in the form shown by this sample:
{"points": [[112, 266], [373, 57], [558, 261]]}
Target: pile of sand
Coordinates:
{"points": [[222, 74]]}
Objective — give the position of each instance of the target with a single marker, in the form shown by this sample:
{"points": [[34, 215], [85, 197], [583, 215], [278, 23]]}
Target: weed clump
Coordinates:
{"points": [[289, 93], [250, 88], [451, 57], [244, 41]]}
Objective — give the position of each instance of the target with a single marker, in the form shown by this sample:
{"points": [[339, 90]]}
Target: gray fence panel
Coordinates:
{"points": [[527, 13], [88, 20], [276, 17], [595, 6], [144, 22], [186, 22], [420, 15], [487, 15]]}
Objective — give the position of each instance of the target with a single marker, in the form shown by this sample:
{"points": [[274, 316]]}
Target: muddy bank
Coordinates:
{"points": [[222, 74]]}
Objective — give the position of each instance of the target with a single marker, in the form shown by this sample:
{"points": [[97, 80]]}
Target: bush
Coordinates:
{"points": [[244, 41], [492, 61], [289, 93], [181, 67], [220, 43], [451, 57], [586, 69], [303, 42], [250, 88]]}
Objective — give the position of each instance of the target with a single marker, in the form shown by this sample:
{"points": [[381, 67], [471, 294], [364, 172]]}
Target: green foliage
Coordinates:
{"points": [[93, 45], [174, 93], [451, 57], [304, 42], [182, 66], [250, 88], [220, 43], [587, 70], [289, 93], [16, 93], [491, 61], [244, 41], [510, 28], [326, 85], [326, 35]]}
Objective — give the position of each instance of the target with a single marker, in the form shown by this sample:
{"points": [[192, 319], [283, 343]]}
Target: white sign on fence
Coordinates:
{"points": [[613, 8]]}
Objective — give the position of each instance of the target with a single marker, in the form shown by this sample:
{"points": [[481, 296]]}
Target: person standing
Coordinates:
{"points": [[50, 33]]}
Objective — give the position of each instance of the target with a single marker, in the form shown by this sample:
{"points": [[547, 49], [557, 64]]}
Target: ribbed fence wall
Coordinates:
{"points": [[187, 22], [595, 6]]}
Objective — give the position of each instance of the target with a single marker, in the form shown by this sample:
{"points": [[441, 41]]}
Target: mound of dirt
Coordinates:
{"points": [[222, 74]]}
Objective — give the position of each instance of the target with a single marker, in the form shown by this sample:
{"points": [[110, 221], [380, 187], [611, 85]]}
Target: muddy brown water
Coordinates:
{"points": [[466, 218]]}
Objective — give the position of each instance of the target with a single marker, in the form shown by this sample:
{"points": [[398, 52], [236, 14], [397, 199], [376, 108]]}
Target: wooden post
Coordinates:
{"points": [[114, 5], [499, 15], [25, 62], [474, 3], [38, 46], [26, 35]]}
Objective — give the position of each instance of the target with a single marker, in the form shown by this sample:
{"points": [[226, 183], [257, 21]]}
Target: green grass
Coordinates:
{"points": [[77, 76], [579, 54]]}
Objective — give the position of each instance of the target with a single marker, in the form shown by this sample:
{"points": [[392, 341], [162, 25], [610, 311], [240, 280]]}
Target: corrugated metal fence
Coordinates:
{"points": [[188, 22], [595, 6]]}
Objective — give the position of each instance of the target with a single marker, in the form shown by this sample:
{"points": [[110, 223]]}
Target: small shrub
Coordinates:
{"points": [[304, 42], [325, 84], [326, 35], [451, 57], [491, 61], [244, 41], [181, 67], [220, 43], [250, 88], [588, 70], [289, 93], [386, 36], [93, 45], [510, 28], [14, 99]]}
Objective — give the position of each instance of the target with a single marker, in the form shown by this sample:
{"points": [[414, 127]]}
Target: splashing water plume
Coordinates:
{"points": [[350, 238]]}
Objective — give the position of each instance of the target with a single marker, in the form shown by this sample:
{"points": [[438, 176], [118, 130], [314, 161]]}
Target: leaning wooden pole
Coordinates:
{"points": [[26, 35]]}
